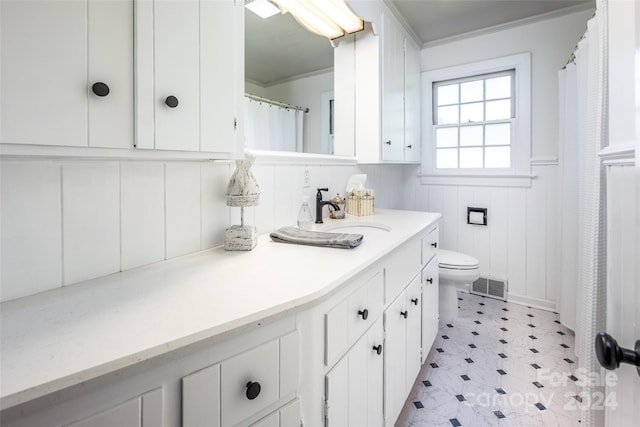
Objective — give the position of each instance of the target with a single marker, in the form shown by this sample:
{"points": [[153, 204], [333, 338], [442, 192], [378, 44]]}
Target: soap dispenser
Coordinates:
{"points": [[304, 215]]}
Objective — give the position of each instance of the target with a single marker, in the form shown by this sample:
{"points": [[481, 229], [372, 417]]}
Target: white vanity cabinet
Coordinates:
{"points": [[67, 73], [378, 368], [189, 67]]}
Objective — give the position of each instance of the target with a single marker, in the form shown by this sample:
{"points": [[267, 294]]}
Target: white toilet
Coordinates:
{"points": [[454, 269]]}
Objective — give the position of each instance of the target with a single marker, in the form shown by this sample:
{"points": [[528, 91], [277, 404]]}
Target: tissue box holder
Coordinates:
{"points": [[360, 202]]}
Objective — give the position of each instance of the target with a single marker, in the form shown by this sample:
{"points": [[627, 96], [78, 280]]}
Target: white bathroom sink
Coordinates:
{"points": [[354, 226]]}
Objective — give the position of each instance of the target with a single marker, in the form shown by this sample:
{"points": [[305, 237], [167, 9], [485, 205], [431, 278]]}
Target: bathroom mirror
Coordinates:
{"points": [[287, 64]]}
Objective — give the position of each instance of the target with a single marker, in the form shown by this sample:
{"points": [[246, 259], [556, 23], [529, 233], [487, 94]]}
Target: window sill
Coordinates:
{"points": [[476, 180]]}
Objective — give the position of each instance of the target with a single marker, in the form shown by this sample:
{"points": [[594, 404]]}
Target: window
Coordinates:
{"points": [[477, 119]]}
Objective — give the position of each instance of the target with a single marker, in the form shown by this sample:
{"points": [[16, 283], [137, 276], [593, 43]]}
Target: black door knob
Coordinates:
{"points": [[253, 390], [364, 313], [404, 314], [430, 280], [378, 349], [414, 301], [434, 244], [171, 101], [610, 354], [100, 89]]}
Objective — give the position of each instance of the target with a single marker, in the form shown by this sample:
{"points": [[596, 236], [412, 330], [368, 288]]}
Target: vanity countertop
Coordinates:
{"points": [[61, 338]]}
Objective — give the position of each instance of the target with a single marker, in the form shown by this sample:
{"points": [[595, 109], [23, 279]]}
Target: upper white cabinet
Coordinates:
{"points": [[67, 73], [385, 117], [189, 58], [158, 74]]}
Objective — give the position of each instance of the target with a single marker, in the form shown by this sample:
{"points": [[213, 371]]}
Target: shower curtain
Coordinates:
{"points": [[273, 128], [583, 133]]}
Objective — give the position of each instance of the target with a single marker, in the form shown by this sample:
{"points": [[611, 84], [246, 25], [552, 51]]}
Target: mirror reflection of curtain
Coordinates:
{"points": [[273, 128]]}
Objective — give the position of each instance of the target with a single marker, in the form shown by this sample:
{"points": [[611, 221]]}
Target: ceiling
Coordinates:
{"points": [[278, 48]]}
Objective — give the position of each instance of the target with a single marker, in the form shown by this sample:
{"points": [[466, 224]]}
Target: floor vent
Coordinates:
{"points": [[490, 287]]}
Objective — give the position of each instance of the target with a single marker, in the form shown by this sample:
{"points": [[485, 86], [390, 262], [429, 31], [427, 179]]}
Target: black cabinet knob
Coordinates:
{"points": [[171, 101], [100, 89], [434, 244], [378, 349], [388, 142], [364, 313], [408, 146], [430, 280], [414, 301], [253, 390], [404, 314], [610, 354]]}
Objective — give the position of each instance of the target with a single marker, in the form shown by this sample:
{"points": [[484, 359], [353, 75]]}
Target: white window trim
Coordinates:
{"points": [[520, 172]]}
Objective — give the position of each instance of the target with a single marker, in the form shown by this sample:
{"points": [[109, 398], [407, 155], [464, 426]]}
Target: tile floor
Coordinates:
{"points": [[498, 364]]}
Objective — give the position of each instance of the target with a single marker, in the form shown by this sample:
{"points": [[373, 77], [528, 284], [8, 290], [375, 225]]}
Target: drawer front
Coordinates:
{"points": [[401, 267], [430, 245], [238, 375]]}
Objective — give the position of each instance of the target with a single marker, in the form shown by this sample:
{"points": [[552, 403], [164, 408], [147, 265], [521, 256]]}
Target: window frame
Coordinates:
{"points": [[519, 174]]}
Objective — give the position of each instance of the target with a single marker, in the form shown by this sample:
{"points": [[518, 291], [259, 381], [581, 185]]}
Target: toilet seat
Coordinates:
{"points": [[451, 260]]}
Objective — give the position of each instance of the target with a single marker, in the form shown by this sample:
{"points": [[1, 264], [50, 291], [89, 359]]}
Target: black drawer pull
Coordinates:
{"points": [[414, 301], [430, 280], [378, 349], [388, 142], [171, 101], [100, 89], [253, 390], [364, 313], [404, 314], [434, 244]]}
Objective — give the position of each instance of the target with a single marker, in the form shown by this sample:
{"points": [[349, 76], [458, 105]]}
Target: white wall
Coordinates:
{"points": [[66, 221], [550, 42], [520, 242]]}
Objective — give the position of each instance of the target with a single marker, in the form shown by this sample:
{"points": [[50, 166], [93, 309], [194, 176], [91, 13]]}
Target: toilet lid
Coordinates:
{"points": [[456, 260]]}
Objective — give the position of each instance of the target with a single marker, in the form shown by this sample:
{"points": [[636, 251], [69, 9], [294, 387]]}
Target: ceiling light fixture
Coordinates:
{"points": [[329, 18], [263, 8]]}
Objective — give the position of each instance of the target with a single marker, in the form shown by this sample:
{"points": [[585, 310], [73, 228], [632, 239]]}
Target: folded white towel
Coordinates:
{"points": [[316, 238]]}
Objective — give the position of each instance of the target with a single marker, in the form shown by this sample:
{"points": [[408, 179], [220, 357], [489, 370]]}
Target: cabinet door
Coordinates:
{"points": [[392, 89], [414, 332], [176, 74], [429, 306], [52, 54], [354, 386], [337, 394], [201, 398], [375, 375], [221, 73], [44, 72], [395, 357], [412, 102]]}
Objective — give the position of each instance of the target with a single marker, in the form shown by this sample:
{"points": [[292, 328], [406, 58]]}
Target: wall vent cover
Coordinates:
{"points": [[490, 287]]}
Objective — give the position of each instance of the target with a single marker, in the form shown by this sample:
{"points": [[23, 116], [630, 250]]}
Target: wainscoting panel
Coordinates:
{"points": [[521, 240]]}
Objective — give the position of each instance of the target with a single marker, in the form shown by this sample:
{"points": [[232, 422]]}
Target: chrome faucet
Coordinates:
{"points": [[320, 203]]}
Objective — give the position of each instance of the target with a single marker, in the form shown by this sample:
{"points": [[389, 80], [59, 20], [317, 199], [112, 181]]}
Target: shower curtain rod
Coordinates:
{"points": [[276, 103]]}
